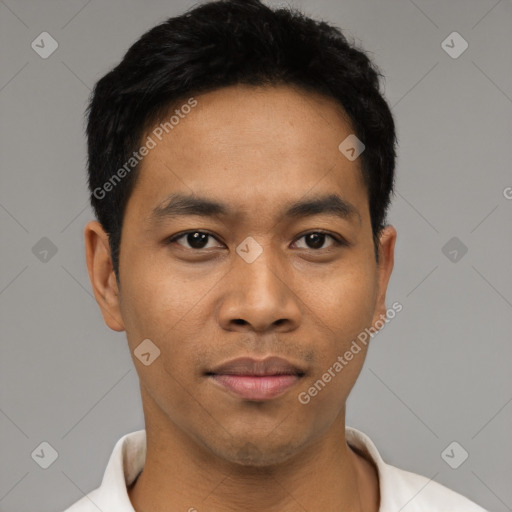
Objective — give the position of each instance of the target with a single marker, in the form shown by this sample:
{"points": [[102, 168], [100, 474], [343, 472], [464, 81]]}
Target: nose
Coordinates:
{"points": [[259, 296]]}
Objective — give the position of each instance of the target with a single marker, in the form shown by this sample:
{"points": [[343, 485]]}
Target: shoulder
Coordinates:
{"points": [[88, 503], [406, 491], [410, 492], [125, 463]]}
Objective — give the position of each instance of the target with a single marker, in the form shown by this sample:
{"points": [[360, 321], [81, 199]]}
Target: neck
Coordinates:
{"points": [[180, 474]]}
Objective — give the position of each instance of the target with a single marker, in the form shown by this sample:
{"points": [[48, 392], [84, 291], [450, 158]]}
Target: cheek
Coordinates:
{"points": [[158, 298], [344, 301], [343, 311], [163, 307]]}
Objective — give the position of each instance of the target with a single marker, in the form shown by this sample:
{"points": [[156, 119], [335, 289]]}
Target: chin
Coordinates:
{"points": [[259, 455]]}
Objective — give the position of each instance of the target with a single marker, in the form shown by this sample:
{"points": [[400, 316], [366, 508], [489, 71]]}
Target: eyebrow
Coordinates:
{"points": [[180, 205]]}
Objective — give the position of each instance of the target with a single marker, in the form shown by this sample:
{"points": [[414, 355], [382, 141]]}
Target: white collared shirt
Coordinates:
{"points": [[399, 490]]}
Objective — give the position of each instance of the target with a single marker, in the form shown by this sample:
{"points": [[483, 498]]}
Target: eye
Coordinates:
{"points": [[199, 240], [315, 240], [195, 239]]}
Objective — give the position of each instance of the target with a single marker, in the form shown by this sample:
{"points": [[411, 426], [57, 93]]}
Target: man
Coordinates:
{"points": [[223, 149]]}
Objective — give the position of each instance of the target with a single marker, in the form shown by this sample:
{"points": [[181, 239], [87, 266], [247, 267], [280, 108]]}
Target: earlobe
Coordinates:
{"points": [[101, 275], [384, 269]]}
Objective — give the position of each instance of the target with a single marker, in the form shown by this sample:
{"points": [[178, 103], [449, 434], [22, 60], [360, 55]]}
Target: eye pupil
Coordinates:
{"points": [[317, 240], [197, 240]]}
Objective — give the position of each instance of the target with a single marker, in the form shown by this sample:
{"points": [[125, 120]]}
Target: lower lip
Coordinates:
{"points": [[253, 387]]}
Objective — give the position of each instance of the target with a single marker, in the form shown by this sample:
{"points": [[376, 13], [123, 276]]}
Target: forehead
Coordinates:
{"points": [[254, 148]]}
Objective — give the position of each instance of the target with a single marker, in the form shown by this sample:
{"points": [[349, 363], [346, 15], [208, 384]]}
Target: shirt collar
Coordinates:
{"points": [[129, 454]]}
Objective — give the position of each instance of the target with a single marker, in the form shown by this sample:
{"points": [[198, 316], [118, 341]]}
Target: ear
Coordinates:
{"points": [[387, 241], [102, 276]]}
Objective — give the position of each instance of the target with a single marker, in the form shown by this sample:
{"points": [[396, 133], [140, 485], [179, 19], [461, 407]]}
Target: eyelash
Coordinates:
{"points": [[338, 241]]}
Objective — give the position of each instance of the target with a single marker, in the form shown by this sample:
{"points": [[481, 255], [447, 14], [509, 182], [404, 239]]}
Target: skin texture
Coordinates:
{"points": [[255, 149]]}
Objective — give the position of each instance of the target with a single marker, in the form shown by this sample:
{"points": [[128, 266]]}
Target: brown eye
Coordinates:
{"points": [[316, 239], [195, 239]]}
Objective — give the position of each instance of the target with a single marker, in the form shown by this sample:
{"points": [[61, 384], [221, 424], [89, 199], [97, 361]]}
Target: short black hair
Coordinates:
{"points": [[219, 44]]}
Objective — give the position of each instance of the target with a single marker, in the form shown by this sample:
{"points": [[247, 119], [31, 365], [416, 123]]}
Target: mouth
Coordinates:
{"points": [[256, 380]]}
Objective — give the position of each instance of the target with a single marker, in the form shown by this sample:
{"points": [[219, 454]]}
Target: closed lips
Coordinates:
{"points": [[257, 368]]}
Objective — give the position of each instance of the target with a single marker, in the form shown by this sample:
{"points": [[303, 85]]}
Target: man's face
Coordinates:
{"points": [[204, 300]]}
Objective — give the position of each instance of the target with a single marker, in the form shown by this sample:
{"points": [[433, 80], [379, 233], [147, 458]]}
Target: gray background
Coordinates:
{"points": [[439, 372]]}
